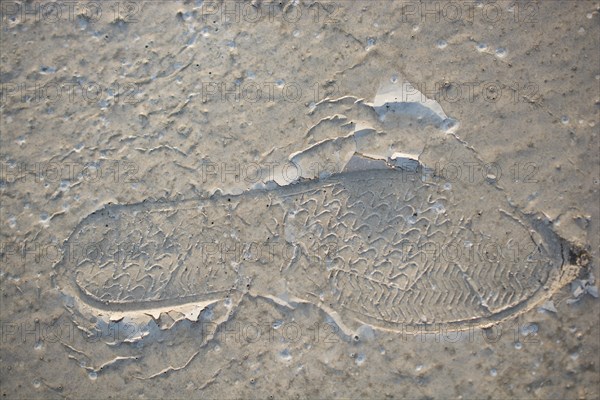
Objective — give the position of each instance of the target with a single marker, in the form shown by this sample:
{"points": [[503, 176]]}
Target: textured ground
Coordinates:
{"points": [[125, 102]]}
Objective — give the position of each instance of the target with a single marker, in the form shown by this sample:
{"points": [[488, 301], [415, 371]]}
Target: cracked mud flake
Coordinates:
{"points": [[394, 127]]}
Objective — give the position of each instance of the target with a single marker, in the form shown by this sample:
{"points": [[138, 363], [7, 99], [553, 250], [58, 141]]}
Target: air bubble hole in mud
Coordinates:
{"points": [[441, 44]]}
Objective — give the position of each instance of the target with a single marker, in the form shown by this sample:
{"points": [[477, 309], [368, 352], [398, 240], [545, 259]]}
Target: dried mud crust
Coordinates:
{"points": [[377, 247]]}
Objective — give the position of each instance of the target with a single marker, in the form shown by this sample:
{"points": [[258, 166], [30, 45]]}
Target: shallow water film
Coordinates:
{"points": [[299, 199]]}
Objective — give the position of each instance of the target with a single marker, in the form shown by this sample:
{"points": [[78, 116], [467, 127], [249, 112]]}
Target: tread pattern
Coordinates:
{"points": [[370, 245]]}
